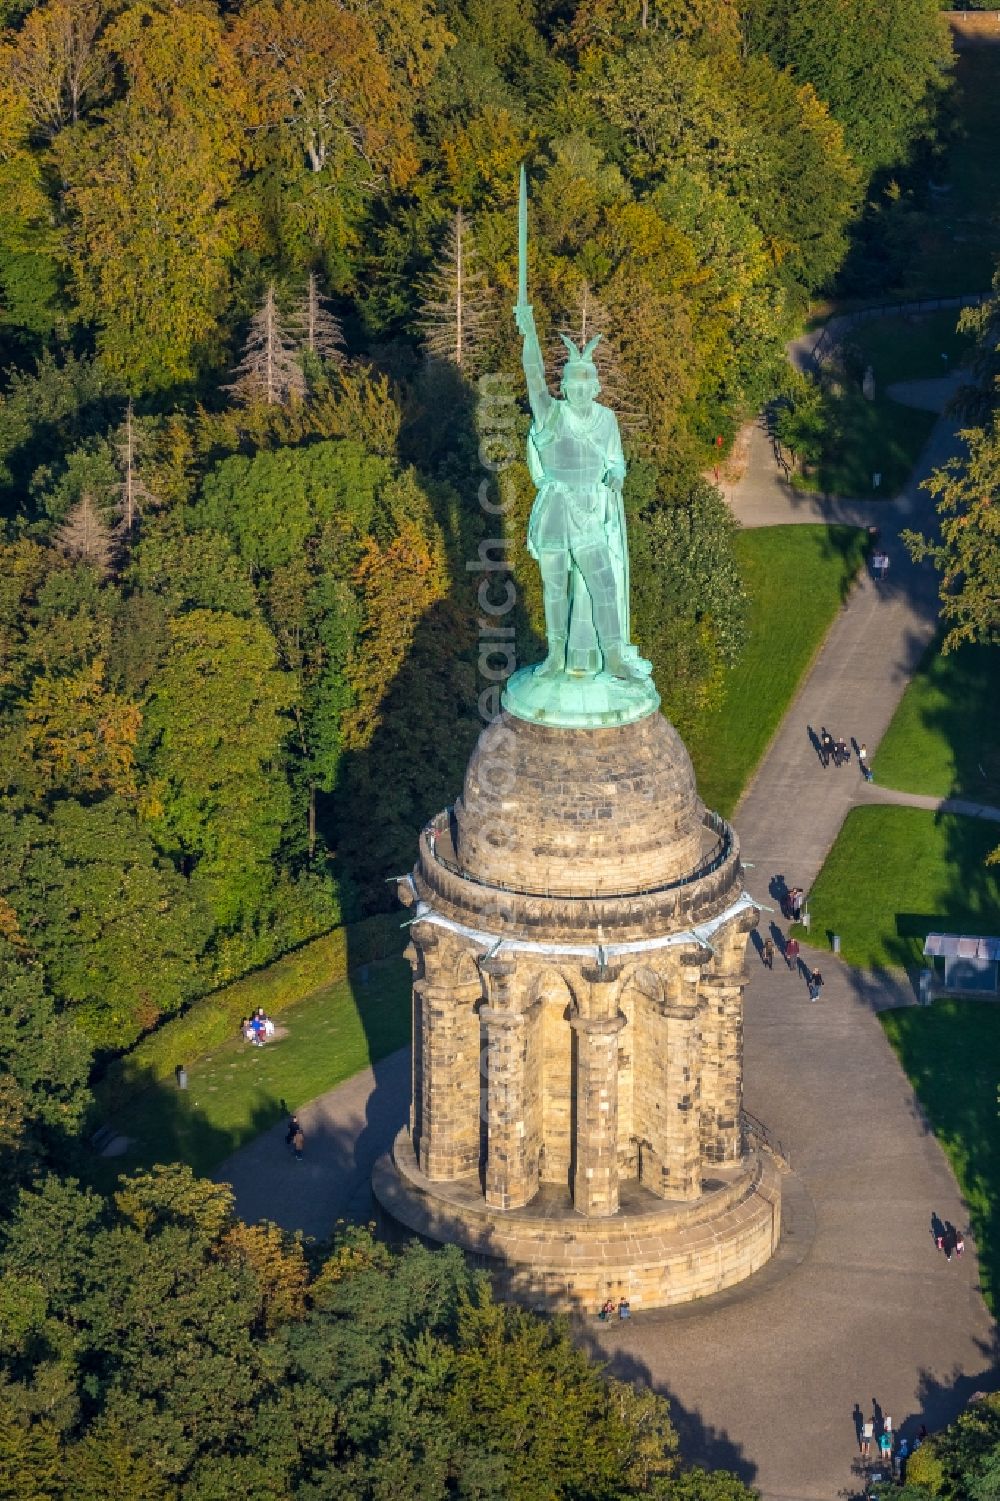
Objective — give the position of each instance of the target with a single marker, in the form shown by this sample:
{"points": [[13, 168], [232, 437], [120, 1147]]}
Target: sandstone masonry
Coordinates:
{"points": [[579, 930]]}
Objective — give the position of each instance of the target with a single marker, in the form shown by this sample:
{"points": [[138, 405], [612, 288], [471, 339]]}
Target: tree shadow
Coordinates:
{"points": [[700, 1443]]}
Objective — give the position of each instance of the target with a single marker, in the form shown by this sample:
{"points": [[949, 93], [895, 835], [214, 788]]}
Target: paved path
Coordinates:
{"points": [[766, 1383], [346, 1130], [792, 810], [765, 1380]]}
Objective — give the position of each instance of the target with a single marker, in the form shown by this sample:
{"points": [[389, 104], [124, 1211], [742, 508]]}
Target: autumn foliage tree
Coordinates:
{"points": [[151, 229]]}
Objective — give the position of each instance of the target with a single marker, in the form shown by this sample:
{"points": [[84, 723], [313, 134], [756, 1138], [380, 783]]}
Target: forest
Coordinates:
{"points": [[257, 265], [253, 261]]}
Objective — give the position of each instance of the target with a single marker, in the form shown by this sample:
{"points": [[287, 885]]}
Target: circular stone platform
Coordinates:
{"points": [[579, 700], [656, 1254]]}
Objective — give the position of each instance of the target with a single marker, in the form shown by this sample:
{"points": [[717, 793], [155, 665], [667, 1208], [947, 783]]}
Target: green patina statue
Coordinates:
{"points": [[593, 676]]}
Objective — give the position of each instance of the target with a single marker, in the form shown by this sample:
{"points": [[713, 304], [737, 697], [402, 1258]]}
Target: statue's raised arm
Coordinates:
{"points": [[524, 317], [534, 365]]}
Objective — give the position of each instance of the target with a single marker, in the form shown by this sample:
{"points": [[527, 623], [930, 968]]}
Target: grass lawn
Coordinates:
{"points": [[865, 438], [238, 1090], [896, 874], [797, 578], [951, 1054], [944, 738], [910, 348]]}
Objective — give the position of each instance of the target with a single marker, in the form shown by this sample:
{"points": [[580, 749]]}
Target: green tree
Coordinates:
{"points": [[115, 928], [880, 69], [689, 606], [44, 1067], [216, 724], [966, 553]]}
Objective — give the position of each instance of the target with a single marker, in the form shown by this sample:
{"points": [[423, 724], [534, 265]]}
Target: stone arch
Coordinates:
{"points": [[551, 990]]}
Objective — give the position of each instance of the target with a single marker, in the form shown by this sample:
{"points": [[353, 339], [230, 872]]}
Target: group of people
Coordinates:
{"points": [[257, 1029], [790, 953], [792, 902], [949, 1241], [876, 1440], [610, 1308], [839, 752]]}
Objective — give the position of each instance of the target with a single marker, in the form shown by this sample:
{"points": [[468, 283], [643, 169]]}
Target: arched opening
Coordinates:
{"points": [[557, 1078]]}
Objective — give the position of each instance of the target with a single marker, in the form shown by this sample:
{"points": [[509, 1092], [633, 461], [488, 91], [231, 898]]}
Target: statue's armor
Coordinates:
{"points": [[568, 458]]}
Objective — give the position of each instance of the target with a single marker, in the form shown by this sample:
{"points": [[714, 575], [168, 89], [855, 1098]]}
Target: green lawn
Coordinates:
{"points": [[238, 1090], [896, 874], [951, 1054], [865, 438], [797, 578], [944, 738], [909, 348]]}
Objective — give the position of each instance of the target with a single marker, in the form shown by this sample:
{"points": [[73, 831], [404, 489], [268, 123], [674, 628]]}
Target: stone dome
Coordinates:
{"points": [[584, 812]]}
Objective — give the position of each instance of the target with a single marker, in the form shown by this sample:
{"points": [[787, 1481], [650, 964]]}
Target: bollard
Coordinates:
{"points": [[182, 1076], [836, 943]]}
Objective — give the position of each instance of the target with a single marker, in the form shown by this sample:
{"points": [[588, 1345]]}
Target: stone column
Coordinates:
{"points": [[671, 1151], [448, 1140], [513, 1091], [722, 1101], [595, 1173], [412, 953]]}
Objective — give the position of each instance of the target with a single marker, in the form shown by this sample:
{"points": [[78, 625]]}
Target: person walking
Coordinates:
{"points": [[959, 1243], [885, 1446], [815, 984], [867, 1434], [791, 952], [298, 1142], [767, 953], [294, 1130], [866, 770], [825, 745]]}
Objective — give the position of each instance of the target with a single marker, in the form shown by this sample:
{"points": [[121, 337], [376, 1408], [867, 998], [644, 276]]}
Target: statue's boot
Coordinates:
{"points": [[625, 662], [555, 662], [555, 598]]}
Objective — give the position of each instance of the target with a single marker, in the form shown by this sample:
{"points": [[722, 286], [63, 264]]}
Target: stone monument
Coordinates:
{"points": [[579, 931]]}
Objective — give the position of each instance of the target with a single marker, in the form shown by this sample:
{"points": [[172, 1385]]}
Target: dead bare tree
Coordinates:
{"points": [[454, 299], [134, 496], [85, 536], [319, 330], [581, 322], [269, 370]]}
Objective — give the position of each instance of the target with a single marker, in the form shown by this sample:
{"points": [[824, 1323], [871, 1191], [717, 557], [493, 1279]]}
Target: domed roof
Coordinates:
{"points": [[579, 812]]}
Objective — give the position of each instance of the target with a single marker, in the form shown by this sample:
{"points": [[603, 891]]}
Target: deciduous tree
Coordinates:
{"points": [[151, 229]]}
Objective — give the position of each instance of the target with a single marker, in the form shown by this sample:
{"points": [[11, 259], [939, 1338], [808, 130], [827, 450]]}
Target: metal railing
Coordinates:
{"points": [[757, 1132]]}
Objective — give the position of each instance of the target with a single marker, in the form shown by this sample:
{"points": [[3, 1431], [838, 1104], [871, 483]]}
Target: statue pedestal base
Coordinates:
{"points": [[579, 701]]}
